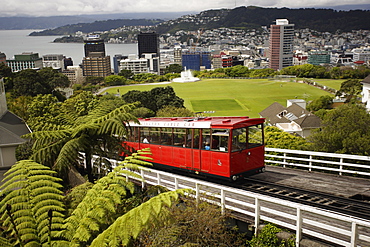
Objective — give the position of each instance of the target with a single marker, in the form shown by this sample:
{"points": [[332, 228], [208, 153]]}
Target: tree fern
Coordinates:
{"points": [[99, 206], [31, 192], [61, 147], [148, 215]]}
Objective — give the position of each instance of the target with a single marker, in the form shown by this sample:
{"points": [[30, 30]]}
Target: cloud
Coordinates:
{"points": [[78, 7]]}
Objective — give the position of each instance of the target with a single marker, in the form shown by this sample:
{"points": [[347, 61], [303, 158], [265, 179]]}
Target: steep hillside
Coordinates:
{"points": [[254, 17]]}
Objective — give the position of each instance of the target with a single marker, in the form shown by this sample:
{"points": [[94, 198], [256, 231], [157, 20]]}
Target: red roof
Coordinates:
{"points": [[359, 62]]}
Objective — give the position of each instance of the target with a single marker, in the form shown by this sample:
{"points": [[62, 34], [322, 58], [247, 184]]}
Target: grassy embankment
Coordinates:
{"points": [[233, 97]]}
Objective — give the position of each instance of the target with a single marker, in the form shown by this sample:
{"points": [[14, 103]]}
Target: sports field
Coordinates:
{"points": [[233, 97]]}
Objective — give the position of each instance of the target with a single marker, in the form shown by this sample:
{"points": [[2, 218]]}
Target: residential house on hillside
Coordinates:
{"points": [[366, 92], [294, 118], [11, 129]]}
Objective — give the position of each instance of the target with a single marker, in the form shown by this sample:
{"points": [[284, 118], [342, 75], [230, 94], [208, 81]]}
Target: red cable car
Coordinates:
{"points": [[223, 147]]}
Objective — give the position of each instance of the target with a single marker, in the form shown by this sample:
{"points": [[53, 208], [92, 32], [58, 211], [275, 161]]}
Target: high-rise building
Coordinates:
{"points": [[94, 46], [148, 43], [281, 44], [95, 62], [26, 60]]}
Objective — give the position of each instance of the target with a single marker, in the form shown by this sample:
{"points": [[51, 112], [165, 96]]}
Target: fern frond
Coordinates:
{"points": [[70, 152], [132, 223], [5, 242], [36, 193], [97, 207]]}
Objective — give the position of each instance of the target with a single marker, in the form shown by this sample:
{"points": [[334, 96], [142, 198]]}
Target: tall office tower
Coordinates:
{"points": [[95, 62], [148, 43], [94, 46], [281, 44]]}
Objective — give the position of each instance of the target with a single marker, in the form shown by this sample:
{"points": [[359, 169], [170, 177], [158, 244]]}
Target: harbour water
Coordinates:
{"points": [[13, 42]]}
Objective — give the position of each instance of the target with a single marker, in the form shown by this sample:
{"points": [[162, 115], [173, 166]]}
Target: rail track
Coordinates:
{"points": [[348, 206]]}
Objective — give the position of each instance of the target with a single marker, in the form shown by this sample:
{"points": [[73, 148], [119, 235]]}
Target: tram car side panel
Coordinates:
{"points": [[225, 147], [216, 163]]}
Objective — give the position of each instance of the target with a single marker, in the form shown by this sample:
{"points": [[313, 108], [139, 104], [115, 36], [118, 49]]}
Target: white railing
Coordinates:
{"points": [[319, 161], [300, 219]]}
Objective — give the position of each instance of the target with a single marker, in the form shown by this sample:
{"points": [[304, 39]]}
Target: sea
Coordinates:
{"points": [[13, 42]]}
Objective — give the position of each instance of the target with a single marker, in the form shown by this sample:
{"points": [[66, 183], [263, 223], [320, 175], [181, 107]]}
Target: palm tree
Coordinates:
{"points": [[35, 217], [79, 137]]}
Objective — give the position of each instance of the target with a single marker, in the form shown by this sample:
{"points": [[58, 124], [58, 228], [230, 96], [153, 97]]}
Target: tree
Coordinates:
{"points": [[54, 78], [6, 73], [173, 68], [146, 77], [29, 83], [164, 96], [344, 130], [114, 80], [99, 132], [237, 71], [43, 109], [171, 111], [126, 73], [155, 99], [93, 80], [323, 102], [32, 210], [276, 138], [351, 89], [19, 106], [80, 104]]}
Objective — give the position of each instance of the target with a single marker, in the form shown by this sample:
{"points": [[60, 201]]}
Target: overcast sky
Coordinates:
{"points": [[79, 7]]}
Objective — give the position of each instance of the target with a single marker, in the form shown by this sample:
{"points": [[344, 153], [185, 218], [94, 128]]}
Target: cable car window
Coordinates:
{"points": [[239, 139], [179, 137], [133, 135], [144, 135], [166, 136], [220, 140], [155, 135], [255, 136], [206, 139], [196, 138]]}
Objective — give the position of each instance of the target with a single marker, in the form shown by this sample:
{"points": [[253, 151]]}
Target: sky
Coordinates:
{"points": [[82, 7]]}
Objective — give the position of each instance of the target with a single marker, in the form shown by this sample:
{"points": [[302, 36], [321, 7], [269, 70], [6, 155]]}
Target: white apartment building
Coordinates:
{"points": [[148, 64], [55, 61], [361, 54]]}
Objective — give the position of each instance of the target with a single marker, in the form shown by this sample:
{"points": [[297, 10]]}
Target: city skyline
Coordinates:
{"points": [[84, 7]]}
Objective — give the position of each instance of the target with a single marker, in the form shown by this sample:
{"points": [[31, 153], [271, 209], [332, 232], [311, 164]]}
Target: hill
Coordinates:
{"points": [[323, 20], [251, 17], [96, 26], [50, 22]]}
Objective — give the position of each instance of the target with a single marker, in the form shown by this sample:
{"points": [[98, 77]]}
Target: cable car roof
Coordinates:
{"points": [[198, 122]]}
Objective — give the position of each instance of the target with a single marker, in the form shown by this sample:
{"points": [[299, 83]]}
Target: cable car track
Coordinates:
{"points": [[352, 207]]}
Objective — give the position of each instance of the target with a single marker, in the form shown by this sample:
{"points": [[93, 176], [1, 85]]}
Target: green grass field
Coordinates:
{"points": [[330, 83], [233, 97]]}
